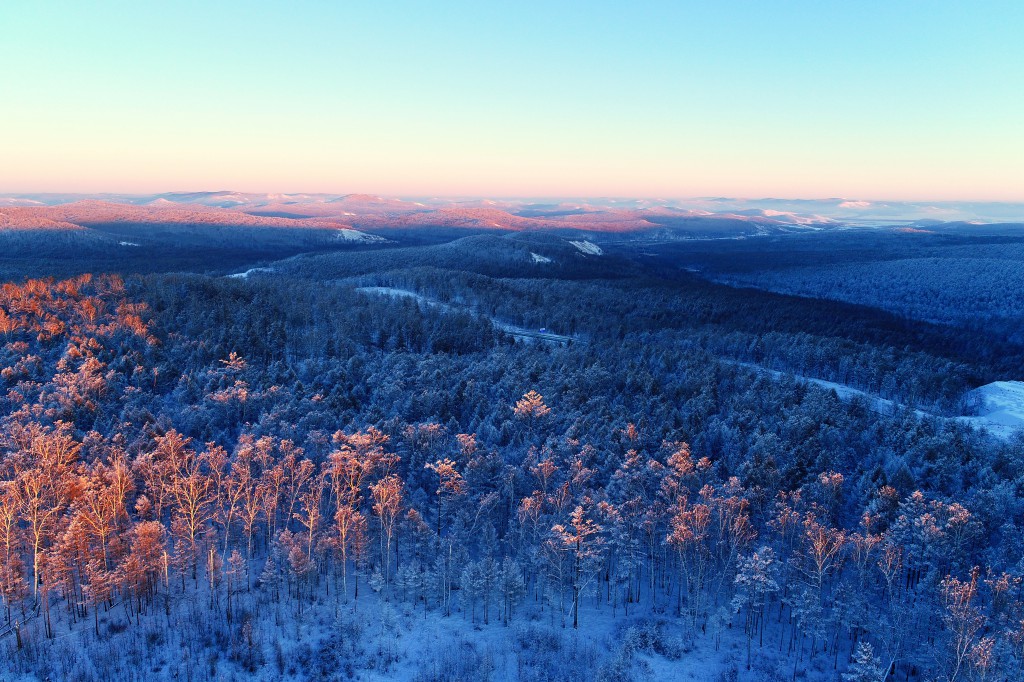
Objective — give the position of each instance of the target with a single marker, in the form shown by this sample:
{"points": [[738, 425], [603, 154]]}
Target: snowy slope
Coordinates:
{"points": [[1000, 407], [589, 248]]}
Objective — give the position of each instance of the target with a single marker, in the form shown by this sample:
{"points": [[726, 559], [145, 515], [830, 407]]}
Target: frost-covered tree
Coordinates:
{"points": [[865, 666], [582, 541], [755, 582]]}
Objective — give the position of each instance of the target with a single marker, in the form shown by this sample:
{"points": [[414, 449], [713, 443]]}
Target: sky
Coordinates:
{"points": [[901, 99]]}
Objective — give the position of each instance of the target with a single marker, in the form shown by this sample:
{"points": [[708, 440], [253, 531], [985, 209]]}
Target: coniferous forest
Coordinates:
{"points": [[507, 456]]}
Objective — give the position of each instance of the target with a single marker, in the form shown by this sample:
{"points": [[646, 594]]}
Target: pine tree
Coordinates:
{"points": [[387, 502], [472, 584], [12, 582], [234, 572], [755, 580], [512, 586], [301, 568], [865, 667], [450, 485], [582, 540], [270, 578], [532, 410]]}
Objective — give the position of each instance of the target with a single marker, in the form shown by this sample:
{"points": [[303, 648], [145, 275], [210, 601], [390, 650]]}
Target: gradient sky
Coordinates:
{"points": [[880, 100]]}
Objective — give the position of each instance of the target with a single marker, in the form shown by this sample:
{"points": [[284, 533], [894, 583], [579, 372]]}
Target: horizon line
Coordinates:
{"points": [[512, 197]]}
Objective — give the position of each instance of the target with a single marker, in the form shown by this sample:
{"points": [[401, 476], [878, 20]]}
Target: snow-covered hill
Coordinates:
{"points": [[1000, 407], [589, 248]]}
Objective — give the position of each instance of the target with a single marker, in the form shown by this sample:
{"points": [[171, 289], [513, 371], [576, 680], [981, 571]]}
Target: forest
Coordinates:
{"points": [[279, 475]]}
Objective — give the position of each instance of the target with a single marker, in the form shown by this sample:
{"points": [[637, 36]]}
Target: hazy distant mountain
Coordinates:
{"points": [[13, 220], [710, 217], [162, 212], [95, 212], [855, 211], [109, 227]]}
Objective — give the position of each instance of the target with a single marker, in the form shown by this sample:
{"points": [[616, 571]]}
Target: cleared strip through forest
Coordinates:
{"points": [[510, 329], [882, 405]]}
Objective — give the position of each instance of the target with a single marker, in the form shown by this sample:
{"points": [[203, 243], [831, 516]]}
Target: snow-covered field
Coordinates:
{"points": [[250, 271], [374, 640], [1000, 407], [357, 236], [429, 646], [398, 293], [537, 258], [589, 248]]}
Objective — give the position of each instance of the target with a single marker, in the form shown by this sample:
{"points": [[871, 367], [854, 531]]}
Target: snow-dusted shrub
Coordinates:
{"points": [[342, 654], [653, 637], [461, 662], [537, 638], [624, 666], [730, 674], [549, 655]]}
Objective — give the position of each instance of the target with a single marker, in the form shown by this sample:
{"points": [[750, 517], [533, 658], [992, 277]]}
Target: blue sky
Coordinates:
{"points": [[915, 100]]}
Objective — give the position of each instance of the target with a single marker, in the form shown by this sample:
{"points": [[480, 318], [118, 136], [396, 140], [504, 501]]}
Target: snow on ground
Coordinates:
{"points": [[538, 642], [589, 248], [880, 405], [373, 640], [524, 333], [537, 258], [250, 271], [1000, 407], [518, 332], [127, 244], [357, 236], [1000, 404], [397, 293]]}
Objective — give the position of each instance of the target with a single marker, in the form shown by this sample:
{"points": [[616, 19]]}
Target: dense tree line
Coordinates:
{"points": [[979, 293], [247, 452], [961, 275]]}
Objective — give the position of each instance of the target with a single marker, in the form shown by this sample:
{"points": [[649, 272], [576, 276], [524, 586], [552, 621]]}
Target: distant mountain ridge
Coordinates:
{"points": [[348, 214], [362, 211], [91, 212]]}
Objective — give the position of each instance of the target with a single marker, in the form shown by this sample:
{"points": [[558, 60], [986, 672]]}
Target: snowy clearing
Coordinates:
{"points": [[539, 640], [537, 258], [127, 244], [589, 248], [398, 293], [250, 271], [357, 236], [1000, 407], [521, 333]]}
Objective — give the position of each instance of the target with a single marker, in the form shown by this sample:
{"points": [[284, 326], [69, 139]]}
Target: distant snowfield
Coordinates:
{"points": [[398, 293], [357, 236], [250, 271], [1000, 404], [589, 248], [127, 244], [537, 258], [1000, 407]]}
